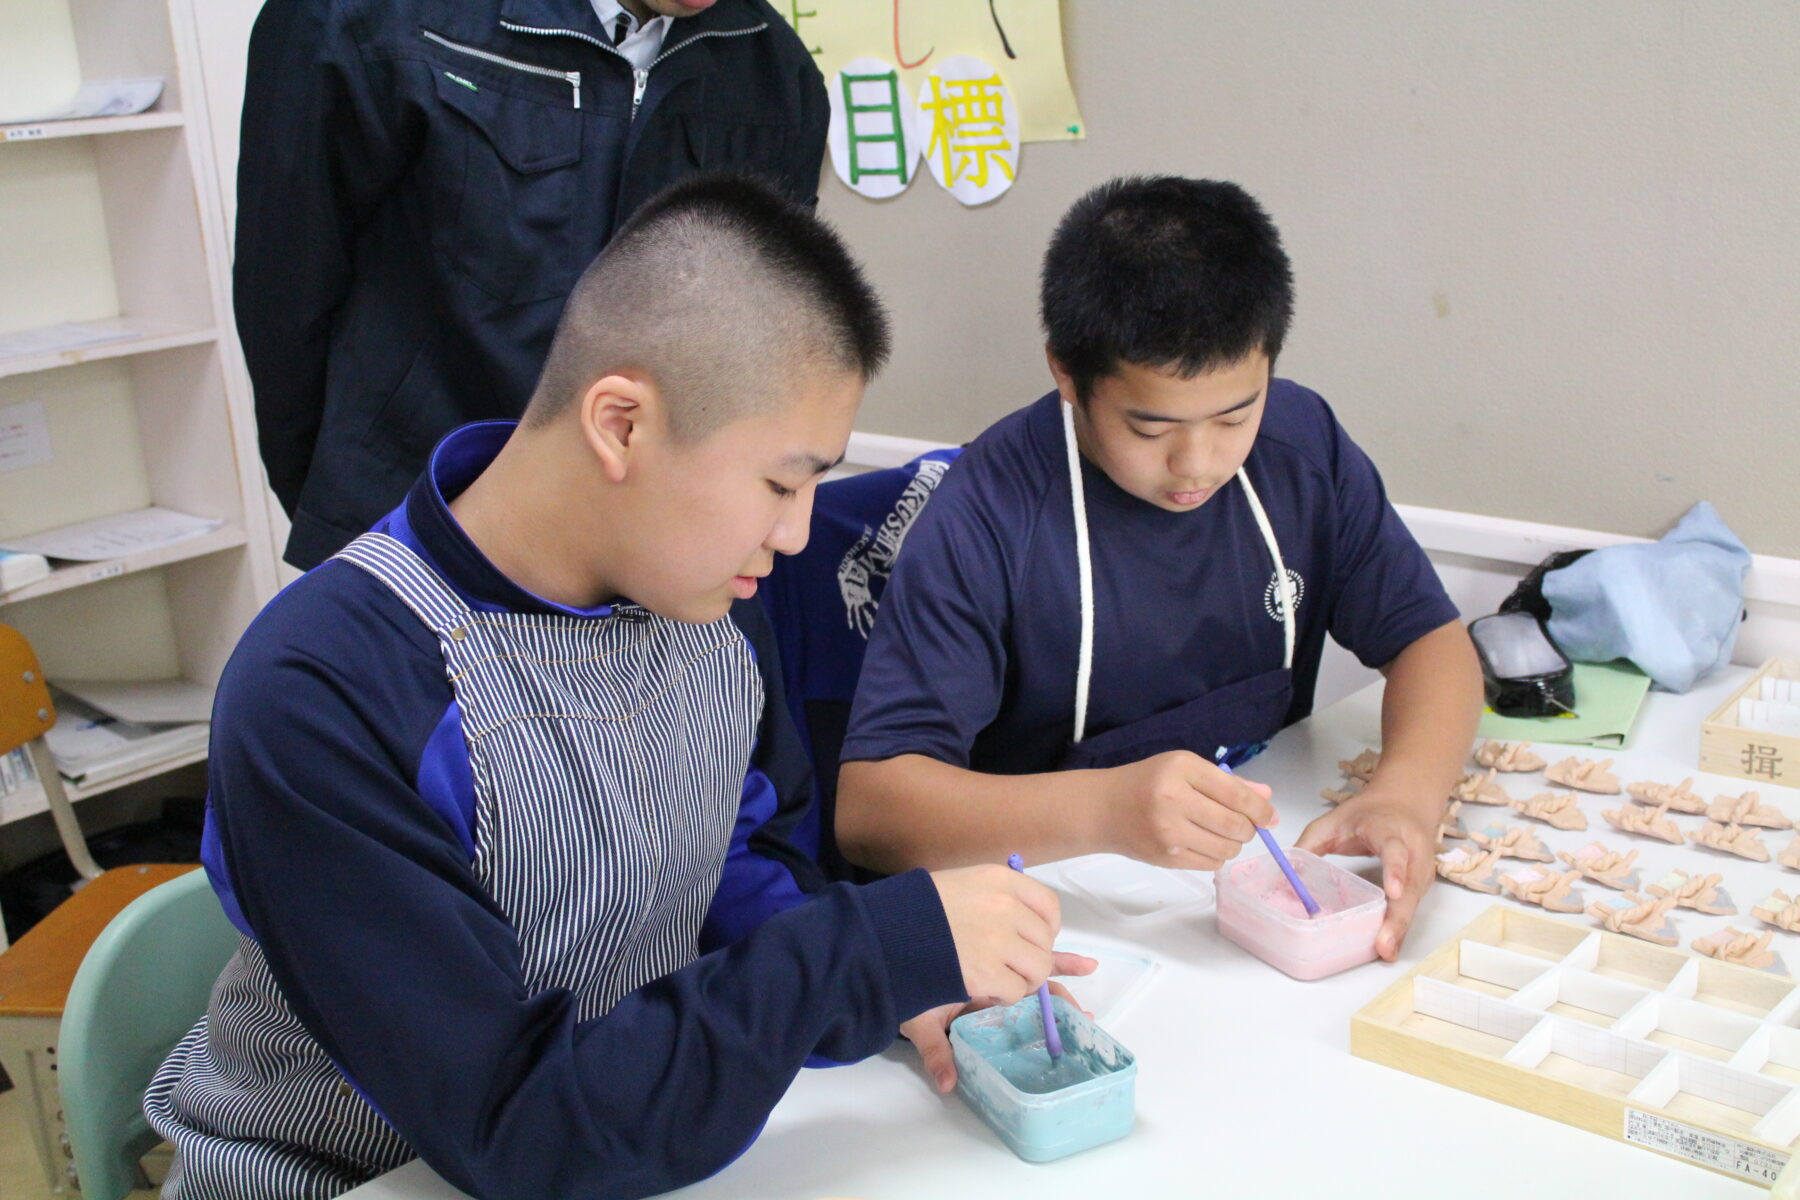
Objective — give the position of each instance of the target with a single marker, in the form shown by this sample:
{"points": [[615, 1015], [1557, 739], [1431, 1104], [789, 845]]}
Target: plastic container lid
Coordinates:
{"points": [[1115, 985], [1131, 889]]}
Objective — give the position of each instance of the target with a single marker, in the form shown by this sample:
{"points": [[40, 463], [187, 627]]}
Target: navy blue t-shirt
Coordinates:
{"points": [[973, 660]]}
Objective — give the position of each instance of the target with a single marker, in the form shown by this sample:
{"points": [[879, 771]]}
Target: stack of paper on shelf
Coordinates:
{"points": [[92, 747]]}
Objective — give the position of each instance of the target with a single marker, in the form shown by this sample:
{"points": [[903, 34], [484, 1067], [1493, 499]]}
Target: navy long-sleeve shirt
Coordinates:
{"points": [[339, 836]]}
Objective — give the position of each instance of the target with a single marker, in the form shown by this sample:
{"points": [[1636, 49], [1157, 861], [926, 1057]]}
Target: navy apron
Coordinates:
{"points": [[1229, 724]]}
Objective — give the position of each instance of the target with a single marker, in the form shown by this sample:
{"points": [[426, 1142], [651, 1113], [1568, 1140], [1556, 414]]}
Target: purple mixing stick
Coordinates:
{"points": [[1052, 1039], [1281, 860]]}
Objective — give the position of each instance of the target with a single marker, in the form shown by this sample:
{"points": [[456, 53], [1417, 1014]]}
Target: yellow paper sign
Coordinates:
{"points": [[1021, 38]]}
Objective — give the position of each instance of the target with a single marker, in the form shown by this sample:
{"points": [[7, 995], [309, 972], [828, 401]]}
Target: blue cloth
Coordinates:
{"points": [[973, 661], [1672, 607]]}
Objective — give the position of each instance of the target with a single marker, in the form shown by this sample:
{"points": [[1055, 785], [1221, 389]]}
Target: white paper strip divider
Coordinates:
{"points": [[1786, 1011], [1472, 1010], [1708, 1080], [1702, 1023], [1660, 1085], [1586, 954], [1532, 1049], [1505, 968], [1588, 1044], [1599, 993], [1541, 992], [1686, 984], [1754, 1054], [1782, 1123], [1770, 1044], [1642, 1018]]}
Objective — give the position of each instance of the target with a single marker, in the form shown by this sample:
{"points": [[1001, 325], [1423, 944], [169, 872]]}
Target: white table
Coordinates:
{"points": [[1246, 1083]]}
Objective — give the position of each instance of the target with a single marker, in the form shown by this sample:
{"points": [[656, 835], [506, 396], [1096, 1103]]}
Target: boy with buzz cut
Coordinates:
{"points": [[1123, 584], [482, 785]]}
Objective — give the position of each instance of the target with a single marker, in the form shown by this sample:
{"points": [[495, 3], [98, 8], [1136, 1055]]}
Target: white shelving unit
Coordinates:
{"points": [[116, 223]]}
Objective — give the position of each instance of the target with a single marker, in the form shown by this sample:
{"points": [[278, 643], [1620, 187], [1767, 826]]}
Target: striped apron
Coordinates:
{"points": [[608, 756]]}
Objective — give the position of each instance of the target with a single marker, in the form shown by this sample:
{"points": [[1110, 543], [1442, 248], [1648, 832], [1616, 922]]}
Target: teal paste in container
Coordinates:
{"points": [[1040, 1108]]}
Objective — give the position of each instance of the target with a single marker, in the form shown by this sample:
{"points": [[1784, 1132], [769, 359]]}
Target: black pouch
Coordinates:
{"points": [[1522, 671]]}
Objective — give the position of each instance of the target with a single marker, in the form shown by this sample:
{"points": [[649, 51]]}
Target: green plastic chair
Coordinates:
{"points": [[139, 990]]}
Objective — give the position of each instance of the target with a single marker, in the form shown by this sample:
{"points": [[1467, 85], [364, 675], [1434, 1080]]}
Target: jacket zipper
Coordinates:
{"points": [[572, 78], [640, 78]]}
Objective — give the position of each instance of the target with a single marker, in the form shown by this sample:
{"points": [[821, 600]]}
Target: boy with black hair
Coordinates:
{"points": [[1131, 580], [479, 784]]}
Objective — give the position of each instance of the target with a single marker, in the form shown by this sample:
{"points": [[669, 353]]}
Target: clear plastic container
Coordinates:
{"points": [[1259, 911], [1127, 888], [1044, 1109]]}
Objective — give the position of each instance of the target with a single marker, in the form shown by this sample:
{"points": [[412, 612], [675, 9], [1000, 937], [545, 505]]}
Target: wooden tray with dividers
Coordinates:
{"points": [[1681, 1054]]}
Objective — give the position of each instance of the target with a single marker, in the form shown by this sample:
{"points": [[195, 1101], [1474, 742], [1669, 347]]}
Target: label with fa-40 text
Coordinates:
{"points": [[1703, 1146]]}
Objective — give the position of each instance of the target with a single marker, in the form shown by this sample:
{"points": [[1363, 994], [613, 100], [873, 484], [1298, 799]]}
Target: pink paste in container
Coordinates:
{"points": [[1260, 912]]}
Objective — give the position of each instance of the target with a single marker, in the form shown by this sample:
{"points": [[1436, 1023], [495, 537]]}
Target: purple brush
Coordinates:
{"points": [[1281, 860], [1052, 1039]]}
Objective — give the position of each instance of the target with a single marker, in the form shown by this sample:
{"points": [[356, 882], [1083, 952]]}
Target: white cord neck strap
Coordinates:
{"points": [[1084, 563]]}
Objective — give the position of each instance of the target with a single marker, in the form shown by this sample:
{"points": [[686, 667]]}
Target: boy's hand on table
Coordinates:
{"points": [[1004, 924], [1178, 810], [1396, 828], [929, 1032]]}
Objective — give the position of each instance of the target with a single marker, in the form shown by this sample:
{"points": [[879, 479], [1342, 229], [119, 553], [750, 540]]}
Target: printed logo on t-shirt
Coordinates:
{"points": [[867, 564], [1272, 602]]}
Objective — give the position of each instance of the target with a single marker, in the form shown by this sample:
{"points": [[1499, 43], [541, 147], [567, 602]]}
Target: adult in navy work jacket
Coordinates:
{"points": [[421, 183]]}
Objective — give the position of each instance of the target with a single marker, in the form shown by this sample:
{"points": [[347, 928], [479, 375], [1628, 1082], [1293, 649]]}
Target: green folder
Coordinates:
{"points": [[1607, 699]]}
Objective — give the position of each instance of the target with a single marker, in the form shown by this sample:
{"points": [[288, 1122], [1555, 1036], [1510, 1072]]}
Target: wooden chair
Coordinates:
{"points": [[36, 971]]}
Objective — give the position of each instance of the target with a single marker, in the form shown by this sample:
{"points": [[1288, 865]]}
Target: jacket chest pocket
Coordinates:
{"points": [[520, 188]]}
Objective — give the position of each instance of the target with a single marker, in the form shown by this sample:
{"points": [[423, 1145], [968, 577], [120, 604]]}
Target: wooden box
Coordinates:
{"points": [[1691, 1057], [1757, 755]]}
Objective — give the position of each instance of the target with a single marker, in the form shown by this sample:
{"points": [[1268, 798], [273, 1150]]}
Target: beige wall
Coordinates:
{"points": [[1548, 254]]}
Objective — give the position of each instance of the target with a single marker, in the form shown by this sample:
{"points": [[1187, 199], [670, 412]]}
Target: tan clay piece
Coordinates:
{"points": [[1651, 822], [1778, 909], [1791, 856], [1698, 892], [1465, 868], [1508, 756], [1748, 809], [1584, 775], [1362, 766], [1480, 789], [1514, 842], [1646, 919], [1338, 795], [1735, 946], [1547, 888], [1601, 865], [1556, 809], [1678, 797], [1732, 839]]}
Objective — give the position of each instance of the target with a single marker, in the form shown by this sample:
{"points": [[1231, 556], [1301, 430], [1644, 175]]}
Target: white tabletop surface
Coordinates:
{"points": [[1246, 1084]]}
